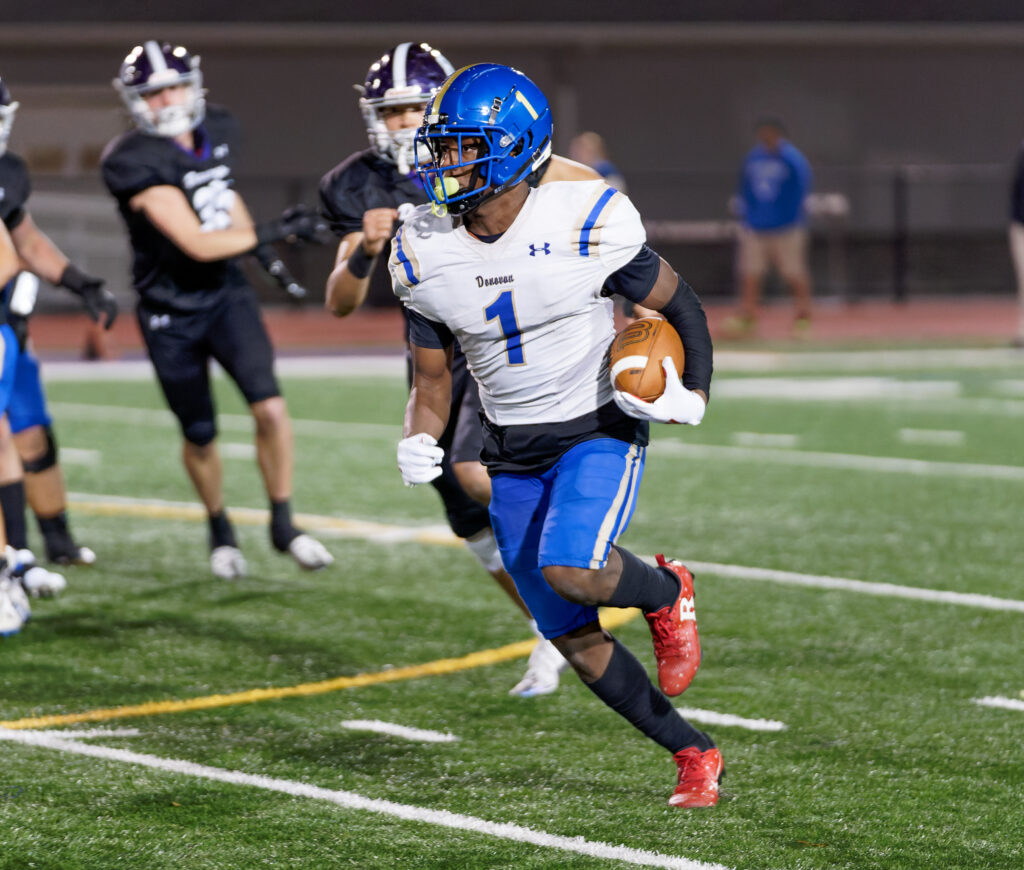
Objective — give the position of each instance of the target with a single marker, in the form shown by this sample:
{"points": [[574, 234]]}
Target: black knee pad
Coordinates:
{"points": [[199, 432], [466, 516], [47, 460]]}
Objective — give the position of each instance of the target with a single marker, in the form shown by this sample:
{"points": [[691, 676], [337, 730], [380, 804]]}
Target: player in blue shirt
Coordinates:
{"points": [[773, 186]]}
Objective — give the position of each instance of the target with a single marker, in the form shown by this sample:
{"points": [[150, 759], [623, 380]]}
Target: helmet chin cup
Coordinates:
{"points": [[172, 121]]}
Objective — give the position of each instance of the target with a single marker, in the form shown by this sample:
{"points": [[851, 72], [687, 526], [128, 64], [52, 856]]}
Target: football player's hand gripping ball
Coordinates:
{"points": [[419, 459], [676, 405]]}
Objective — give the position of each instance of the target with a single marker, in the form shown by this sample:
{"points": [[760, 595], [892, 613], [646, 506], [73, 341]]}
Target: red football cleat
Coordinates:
{"points": [[674, 630], [699, 775]]}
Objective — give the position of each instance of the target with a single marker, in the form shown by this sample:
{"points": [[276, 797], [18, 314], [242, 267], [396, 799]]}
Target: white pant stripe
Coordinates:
{"points": [[609, 529]]}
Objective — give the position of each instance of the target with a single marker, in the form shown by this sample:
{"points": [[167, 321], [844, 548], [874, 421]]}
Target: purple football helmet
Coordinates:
{"points": [[407, 75], [7, 109], [152, 67]]}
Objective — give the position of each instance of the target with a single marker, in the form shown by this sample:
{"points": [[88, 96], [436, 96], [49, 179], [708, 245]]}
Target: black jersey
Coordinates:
{"points": [[14, 189], [165, 276], [361, 182]]}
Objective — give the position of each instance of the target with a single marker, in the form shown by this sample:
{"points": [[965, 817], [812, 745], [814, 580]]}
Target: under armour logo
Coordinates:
{"points": [[543, 249], [159, 321], [220, 152]]}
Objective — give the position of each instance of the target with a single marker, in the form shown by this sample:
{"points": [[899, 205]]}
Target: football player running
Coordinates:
{"points": [[172, 179], [14, 606], [29, 465], [521, 278], [362, 199]]}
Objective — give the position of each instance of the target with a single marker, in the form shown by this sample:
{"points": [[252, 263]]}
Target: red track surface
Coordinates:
{"points": [[984, 320]]}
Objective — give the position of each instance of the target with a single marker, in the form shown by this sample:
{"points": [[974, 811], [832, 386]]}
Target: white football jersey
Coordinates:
{"points": [[527, 308]]}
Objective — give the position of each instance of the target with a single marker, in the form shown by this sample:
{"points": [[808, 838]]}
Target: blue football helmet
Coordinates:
{"points": [[7, 110], [154, 66], [508, 118], [408, 75]]}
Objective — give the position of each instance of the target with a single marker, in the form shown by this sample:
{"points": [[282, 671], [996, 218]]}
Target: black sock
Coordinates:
{"points": [[59, 545], [221, 533], [642, 585], [626, 688], [282, 531], [12, 501]]}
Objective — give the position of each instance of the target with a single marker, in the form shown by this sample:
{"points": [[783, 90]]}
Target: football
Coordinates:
{"points": [[634, 362]]}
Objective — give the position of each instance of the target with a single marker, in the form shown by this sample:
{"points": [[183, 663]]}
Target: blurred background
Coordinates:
{"points": [[910, 114]]}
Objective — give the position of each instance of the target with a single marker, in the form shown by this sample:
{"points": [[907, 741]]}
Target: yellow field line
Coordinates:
{"points": [[248, 516], [257, 516], [609, 619]]}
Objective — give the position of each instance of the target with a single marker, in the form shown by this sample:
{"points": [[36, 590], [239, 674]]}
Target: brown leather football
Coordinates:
{"points": [[634, 362]]}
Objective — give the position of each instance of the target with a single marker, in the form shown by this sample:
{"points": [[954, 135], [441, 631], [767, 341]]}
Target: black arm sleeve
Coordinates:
{"points": [[686, 315], [424, 332], [1017, 190], [634, 280]]}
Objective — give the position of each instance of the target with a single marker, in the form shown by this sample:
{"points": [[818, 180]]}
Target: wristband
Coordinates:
{"points": [[360, 263]]}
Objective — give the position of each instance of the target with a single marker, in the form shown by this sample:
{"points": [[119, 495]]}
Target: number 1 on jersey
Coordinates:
{"points": [[505, 312]]}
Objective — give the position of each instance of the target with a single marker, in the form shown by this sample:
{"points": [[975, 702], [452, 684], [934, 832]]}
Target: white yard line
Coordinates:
{"points": [[353, 801], [235, 450], [940, 437], [79, 456], [1004, 703], [441, 535], [89, 733], [841, 389], [765, 439], [843, 461], [420, 735], [865, 587], [727, 720], [867, 360]]}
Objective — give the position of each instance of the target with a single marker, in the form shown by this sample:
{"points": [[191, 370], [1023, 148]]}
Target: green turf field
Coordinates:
{"points": [[880, 757]]}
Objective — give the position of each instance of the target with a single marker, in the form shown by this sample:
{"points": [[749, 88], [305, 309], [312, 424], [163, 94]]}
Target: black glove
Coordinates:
{"points": [[296, 224], [19, 325], [95, 298], [274, 266]]}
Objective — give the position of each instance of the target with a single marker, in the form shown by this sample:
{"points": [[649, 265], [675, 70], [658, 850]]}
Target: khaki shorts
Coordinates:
{"points": [[786, 250]]}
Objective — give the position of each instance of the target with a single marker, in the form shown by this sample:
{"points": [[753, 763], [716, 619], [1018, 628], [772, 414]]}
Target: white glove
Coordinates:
{"points": [[419, 459], [676, 405]]}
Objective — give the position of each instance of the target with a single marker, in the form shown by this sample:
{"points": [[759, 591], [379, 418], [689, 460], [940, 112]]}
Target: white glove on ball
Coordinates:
{"points": [[676, 405], [419, 459]]}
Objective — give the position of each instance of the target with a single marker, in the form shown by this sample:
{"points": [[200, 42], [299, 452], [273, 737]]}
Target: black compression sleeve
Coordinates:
{"points": [[685, 313], [634, 280], [424, 332]]}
